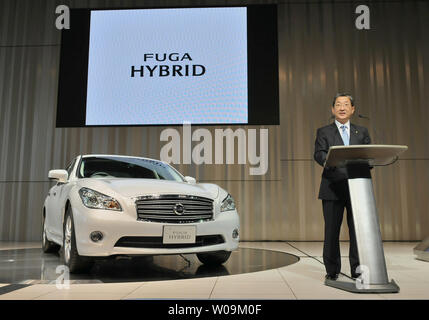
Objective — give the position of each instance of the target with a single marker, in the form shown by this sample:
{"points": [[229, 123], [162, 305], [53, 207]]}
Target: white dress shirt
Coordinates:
{"points": [[347, 124]]}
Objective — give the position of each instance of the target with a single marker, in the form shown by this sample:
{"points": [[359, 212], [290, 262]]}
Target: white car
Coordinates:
{"points": [[110, 205]]}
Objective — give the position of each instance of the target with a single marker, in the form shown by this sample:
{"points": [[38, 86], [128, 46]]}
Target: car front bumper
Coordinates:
{"points": [[115, 225]]}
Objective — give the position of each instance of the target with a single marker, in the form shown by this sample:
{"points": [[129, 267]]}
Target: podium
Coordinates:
{"points": [[358, 160]]}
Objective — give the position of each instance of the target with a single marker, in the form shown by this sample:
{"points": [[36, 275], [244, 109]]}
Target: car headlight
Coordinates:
{"points": [[227, 204], [96, 200]]}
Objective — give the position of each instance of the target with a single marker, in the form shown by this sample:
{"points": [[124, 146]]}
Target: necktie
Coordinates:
{"points": [[344, 135]]}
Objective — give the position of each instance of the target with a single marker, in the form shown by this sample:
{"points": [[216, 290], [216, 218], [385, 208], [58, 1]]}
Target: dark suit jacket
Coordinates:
{"points": [[334, 180]]}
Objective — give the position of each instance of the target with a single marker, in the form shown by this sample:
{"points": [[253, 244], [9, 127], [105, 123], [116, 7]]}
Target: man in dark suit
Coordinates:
{"points": [[334, 190]]}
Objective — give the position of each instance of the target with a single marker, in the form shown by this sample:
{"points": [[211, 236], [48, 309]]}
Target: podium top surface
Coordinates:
{"points": [[374, 154]]}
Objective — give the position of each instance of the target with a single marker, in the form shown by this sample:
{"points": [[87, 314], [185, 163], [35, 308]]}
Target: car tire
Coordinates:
{"points": [[72, 259], [214, 258], [47, 245]]}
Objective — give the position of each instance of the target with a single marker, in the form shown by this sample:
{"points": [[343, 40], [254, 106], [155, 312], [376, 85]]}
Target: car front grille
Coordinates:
{"points": [[156, 242], [174, 208]]}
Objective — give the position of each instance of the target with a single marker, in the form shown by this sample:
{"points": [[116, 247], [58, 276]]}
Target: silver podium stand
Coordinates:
{"points": [[358, 159]]}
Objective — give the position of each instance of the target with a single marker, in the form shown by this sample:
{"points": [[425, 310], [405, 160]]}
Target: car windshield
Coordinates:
{"points": [[122, 167]]}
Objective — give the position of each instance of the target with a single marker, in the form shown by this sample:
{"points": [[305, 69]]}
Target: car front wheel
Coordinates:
{"points": [[72, 259], [214, 258]]}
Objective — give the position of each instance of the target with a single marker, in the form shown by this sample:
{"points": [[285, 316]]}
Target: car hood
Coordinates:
{"points": [[139, 187]]}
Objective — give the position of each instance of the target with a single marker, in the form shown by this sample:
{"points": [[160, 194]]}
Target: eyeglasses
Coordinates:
{"points": [[347, 104]]}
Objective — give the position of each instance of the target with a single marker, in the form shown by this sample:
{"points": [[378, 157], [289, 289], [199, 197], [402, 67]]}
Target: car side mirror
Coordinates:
{"points": [[190, 180], [60, 175]]}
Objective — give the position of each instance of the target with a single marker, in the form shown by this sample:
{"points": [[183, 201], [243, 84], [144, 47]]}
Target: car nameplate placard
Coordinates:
{"points": [[179, 234]]}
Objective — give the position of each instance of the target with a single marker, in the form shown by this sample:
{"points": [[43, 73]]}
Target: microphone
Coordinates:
{"points": [[367, 118]]}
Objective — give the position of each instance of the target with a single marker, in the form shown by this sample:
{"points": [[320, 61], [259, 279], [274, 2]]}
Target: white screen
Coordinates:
{"points": [[128, 86]]}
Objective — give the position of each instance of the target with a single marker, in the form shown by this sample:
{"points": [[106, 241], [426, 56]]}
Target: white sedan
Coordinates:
{"points": [[110, 205]]}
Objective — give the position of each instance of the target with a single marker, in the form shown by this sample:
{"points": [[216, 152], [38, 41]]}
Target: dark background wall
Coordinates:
{"points": [[320, 52]]}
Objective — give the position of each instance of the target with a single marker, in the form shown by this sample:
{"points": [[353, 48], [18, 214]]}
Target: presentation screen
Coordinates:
{"points": [[168, 66]]}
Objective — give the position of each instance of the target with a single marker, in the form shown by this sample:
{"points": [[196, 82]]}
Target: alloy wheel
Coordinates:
{"points": [[67, 239], [44, 233]]}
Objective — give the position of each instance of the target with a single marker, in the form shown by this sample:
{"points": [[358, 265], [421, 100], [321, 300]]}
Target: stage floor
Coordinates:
{"points": [[282, 276], [32, 266]]}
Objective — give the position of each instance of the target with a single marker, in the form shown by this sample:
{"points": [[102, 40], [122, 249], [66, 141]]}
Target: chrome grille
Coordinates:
{"points": [[174, 208]]}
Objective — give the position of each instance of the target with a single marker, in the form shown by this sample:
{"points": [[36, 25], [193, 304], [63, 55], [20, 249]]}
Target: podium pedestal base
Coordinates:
{"points": [[390, 287]]}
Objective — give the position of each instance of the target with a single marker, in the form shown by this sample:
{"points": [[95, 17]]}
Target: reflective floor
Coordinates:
{"points": [[25, 265], [176, 280]]}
